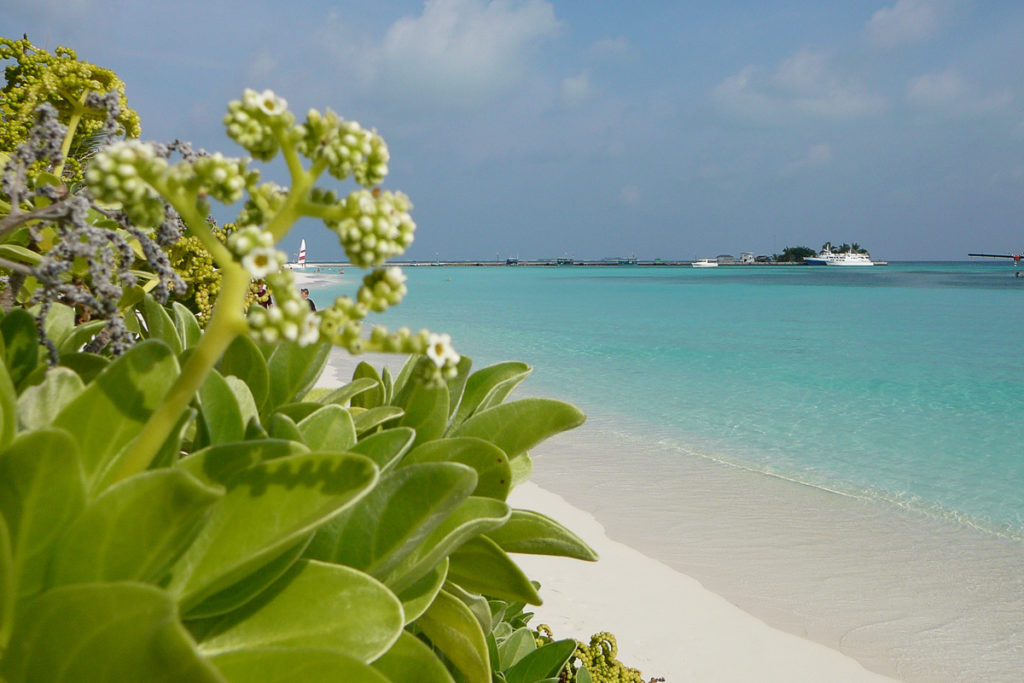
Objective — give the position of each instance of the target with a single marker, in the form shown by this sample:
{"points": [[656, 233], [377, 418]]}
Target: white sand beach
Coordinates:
{"points": [[666, 623]]}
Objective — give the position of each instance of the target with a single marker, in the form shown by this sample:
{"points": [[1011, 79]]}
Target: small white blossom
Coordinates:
{"points": [[440, 351], [262, 261]]}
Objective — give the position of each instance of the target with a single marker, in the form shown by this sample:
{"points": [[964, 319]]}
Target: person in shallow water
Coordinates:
{"points": [[305, 295]]}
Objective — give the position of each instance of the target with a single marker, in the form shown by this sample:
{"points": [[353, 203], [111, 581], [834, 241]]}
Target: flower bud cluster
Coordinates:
{"points": [[344, 146], [255, 121], [376, 226], [382, 288], [222, 178], [289, 318], [263, 202], [254, 247], [117, 175]]}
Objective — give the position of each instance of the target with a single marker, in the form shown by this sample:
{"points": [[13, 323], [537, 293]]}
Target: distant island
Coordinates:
{"points": [[798, 254]]}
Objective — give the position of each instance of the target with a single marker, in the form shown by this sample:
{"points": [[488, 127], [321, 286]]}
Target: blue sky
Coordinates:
{"points": [[661, 129]]}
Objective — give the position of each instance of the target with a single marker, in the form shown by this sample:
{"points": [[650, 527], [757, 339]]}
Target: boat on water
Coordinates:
{"points": [[827, 257], [705, 263], [300, 264]]}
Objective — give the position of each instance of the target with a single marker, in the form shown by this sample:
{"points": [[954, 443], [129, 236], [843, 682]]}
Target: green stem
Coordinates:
{"points": [[65, 147]]}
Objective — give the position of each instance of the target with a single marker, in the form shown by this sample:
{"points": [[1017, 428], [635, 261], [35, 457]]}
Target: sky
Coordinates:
{"points": [[594, 129]]}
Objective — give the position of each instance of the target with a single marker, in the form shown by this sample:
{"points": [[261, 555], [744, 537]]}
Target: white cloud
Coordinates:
{"points": [[463, 49], [908, 21], [949, 91], [805, 85], [576, 89]]}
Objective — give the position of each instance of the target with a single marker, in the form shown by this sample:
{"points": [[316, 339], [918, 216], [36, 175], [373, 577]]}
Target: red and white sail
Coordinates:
{"points": [[302, 254]]}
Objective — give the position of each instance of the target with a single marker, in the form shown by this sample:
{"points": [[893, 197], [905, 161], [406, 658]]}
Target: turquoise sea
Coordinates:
{"points": [[899, 387]]}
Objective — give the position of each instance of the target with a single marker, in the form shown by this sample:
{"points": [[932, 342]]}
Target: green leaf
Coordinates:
{"points": [[244, 399], [318, 605], [103, 632], [243, 360], [59, 322], [453, 630], [186, 325], [38, 405], [219, 412], [80, 335], [522, 468], [344, 394], [135, 530], [221, 464], [370, 398], [519, 426], [159, 324], [426, 410], [410, 659], [402, 509], [533, 533], [494, 475], [374, 417], [388, 383], [490, 386], [386, 447], [277, 665], [21, 339], [268, 507], [298, 410], [170, 451], [112, 410], [480, 565], [543, 663], [88, 366], [583, 675], [293, 370], [42, 490], [8, 408], [282, 427], [475, 516], [417, 597], [515, 647], [237, 594], [476, 603], [457, 385], [8, 588], [329, 428], [405, 374], [18, 253]]}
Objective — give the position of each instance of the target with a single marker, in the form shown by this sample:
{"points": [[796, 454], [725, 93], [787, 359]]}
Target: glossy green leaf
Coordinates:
{"points": [[80, 335], [170, 451], [520, 425], [386, 447], [343, 395], [457, 385], [522, 468], [244, 398], [481, 566], [103, 632], [38, 405], [318, 605], [515, 647], [426, 410], [16, 252], [329, 428], [115, 406], [417, 597], [475, 516], [243, 360], [494, 475], [282, 427], [220, 415], [237, 594], [372, 397], [42, 489], [268, 507], [405, 374], [221, 464], [410, 659], [387, 382], [374, 417], [8, 587], [293, 370], [59, 322], [159, 324], [453, 630], [299, 410], [490, 386], [8, 408], [21, 339], [404, 507], [543, 663], [287, 665], [476, 603], [186, 325], [583, 675], [88, 366], [135, 530], [535, 534]]}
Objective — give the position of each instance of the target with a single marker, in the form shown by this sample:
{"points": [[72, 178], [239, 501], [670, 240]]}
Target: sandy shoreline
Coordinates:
{"points": [[666, 623]]}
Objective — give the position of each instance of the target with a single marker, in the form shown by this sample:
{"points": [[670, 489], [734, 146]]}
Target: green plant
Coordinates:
{"points": [[179, 511]]}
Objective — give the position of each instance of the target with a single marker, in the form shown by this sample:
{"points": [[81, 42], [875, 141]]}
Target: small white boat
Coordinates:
{"points": [[850, 259], [705, 263], [301, 263]]}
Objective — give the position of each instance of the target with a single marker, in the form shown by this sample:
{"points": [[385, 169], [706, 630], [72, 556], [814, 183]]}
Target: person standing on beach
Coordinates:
{"points": [[305, 295]]}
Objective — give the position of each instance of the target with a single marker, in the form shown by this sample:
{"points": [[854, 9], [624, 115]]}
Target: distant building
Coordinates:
{"points": [[747, 258], [725, 258]]}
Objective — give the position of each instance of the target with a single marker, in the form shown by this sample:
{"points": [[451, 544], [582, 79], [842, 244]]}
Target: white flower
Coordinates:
{"points": [[262, 261], [440, 351], [310, 332], [270, 104]]}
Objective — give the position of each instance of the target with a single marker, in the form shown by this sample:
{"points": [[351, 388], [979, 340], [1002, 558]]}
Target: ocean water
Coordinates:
{"points": [[838, 451]]}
